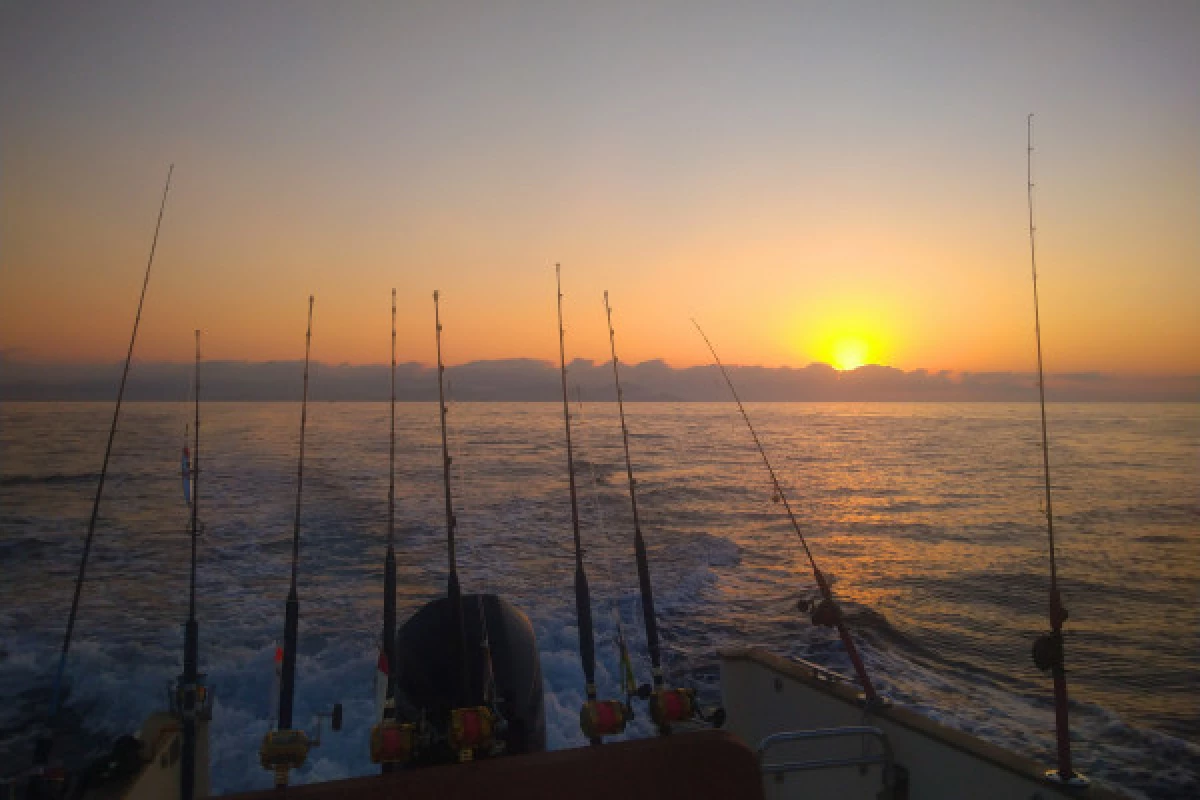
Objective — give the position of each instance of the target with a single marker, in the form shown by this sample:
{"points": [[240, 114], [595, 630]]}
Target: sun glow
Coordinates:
{"points": [[849, 353], [848, 331]]}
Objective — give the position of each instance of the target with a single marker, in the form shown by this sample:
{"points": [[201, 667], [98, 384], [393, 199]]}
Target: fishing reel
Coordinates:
{"points": [[392, 741], [822, 611], [600, 718], [472, 730], [1048, 651], [468, 733], [672, 706], [190, 700], [669, 706], [287, 749], [1048, 648]]}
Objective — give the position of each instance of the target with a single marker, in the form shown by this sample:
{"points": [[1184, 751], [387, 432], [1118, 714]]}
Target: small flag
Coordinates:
{"points": [[381, 682]]}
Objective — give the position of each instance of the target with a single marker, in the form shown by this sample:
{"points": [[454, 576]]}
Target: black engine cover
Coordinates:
{"points": [[430, 678]]}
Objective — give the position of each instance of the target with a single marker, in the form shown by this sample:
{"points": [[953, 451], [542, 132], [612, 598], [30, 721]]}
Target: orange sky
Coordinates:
{"points": [[799, 179]]}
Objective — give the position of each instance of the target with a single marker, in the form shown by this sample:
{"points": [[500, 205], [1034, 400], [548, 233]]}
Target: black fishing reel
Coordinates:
{"points": [[1048, 648], [190, 700], [822, 612], [1048, 651]]}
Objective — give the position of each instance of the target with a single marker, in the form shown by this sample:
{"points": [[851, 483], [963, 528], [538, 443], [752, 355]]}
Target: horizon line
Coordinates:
{"points": [[943, 371]]}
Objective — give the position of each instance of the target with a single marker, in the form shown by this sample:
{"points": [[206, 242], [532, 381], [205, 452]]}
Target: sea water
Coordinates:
{"points": [[928, 518]]}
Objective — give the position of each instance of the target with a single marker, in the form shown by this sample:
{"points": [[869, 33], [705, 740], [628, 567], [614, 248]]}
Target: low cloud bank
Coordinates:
{"points": [[532, 380]]}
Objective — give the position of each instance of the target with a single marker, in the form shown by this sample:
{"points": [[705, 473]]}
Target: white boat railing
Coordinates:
{"points": [[886, 757]]}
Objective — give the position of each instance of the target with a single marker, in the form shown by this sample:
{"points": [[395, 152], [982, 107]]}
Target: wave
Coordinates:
{"points": [[54, 479]]}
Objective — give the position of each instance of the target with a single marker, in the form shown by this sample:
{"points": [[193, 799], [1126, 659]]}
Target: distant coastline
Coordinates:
{"points": [[530, 380]]}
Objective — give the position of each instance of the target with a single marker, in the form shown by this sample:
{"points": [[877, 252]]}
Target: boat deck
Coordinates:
{"points": [[690, 766]]}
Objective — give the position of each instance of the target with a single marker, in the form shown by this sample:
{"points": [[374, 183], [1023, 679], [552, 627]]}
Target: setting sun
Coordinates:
{"points": [[849, 354]]}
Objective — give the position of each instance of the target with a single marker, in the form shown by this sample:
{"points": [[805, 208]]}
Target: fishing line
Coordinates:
{"points": [[619, 588], [458, 464], [56, 694], [645, 587], [827, 613], [590, 461], [453, 588]]}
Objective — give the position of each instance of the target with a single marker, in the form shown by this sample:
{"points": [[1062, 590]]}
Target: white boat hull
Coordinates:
{"points": [[764, 694]]}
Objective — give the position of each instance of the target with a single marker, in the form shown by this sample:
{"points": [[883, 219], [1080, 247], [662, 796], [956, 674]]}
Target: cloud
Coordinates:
{"points": [[531, 380]]}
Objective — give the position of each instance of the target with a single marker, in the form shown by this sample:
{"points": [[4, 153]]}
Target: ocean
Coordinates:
{"points": [[928, 519]]}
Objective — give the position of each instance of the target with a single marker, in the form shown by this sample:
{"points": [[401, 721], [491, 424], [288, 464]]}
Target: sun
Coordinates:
{"points": [[845, 341], [849, 353]]}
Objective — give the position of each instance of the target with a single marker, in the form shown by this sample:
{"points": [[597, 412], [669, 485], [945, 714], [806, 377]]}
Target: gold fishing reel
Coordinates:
{"points": [[283, 751]]}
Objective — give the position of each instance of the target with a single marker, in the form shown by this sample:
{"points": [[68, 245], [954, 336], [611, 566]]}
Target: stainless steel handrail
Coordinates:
{"points": [[824, 673], [886, 758]]}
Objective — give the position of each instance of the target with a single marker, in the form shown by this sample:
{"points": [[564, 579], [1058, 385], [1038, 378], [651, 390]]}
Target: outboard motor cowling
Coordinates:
{"points": [[428, 677]]}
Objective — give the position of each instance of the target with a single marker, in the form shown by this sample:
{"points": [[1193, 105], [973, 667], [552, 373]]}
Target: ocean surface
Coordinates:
{"points": [[928, 518]]}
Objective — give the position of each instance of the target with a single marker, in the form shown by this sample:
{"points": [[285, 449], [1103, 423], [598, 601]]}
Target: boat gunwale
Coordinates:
{"points": [[842, 688]]}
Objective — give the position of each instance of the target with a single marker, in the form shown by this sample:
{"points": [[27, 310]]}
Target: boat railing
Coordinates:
{"points": [[823, 673], [886, 757]]}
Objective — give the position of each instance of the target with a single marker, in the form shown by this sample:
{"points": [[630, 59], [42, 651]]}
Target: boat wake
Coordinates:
{"points": [[943, 623]]}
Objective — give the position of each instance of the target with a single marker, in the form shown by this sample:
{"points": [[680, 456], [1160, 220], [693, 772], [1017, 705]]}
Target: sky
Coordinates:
{"points": [[813, 181]]}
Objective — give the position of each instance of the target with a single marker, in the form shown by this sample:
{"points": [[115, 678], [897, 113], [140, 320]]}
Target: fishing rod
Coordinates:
{"points": [[189, 680], [287, 686], [639, 542], [629, 684], [598, 718], [286, 748], [474, 721], [56, 694], [1048, 650], [827, 613], [392, 740], [666, 705], [389, 560], [453, 589]]}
